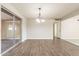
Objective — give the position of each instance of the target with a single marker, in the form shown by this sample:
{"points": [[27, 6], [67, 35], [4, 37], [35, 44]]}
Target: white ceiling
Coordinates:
{"points": [[49, 10]]}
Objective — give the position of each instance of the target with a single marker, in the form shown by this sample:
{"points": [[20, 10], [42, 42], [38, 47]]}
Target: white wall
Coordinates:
{"points": [[70, 29], [57, 29], [24, 29], [24, 24], [39, 30]]}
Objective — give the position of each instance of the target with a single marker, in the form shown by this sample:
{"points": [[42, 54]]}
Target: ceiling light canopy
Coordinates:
{"points": [[39, 18]]}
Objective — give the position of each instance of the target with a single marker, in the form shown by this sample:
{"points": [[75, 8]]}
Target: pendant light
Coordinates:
{"points": [[40, 19]]}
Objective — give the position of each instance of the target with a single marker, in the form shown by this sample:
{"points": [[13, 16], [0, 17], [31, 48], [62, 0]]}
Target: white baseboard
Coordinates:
{"points": [[73, 41], [10, 48], [39, 39]]}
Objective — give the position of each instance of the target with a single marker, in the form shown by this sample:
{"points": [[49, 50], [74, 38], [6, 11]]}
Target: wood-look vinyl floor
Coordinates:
{"points": [[41, 47]]}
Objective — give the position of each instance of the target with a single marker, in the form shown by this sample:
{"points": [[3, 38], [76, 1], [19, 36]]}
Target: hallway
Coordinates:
{"points": [[41, 47]]}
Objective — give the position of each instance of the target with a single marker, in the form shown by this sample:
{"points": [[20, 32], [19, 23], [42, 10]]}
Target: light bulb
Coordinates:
{"points": [[10, 28], [42, 20], [38, 20]]}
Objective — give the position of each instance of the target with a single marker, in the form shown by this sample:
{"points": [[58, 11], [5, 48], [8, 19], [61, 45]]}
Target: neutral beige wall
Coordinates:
{"points": [[39, 30], [70, 29]]}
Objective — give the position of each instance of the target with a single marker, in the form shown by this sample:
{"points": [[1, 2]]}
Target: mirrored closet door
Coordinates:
{"points": [[10, 29]]}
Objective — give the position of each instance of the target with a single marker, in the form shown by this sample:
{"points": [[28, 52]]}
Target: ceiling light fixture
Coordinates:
{"points": [[39, 19]]}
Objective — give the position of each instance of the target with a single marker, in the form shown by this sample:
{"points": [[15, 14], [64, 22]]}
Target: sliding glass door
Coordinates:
{"points": [[17, 29], [10, 29]]}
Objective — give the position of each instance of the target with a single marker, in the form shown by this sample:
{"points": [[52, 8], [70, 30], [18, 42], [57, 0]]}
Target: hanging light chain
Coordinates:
{"points": [[39, 19], [39, 12]]}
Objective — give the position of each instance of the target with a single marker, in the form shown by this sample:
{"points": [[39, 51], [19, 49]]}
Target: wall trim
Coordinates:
{"points": [[39, 39], [72, 14], [71, 41]]}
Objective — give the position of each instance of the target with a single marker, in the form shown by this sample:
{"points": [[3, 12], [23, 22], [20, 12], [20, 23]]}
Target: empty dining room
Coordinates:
{"points": [[39, 29]]}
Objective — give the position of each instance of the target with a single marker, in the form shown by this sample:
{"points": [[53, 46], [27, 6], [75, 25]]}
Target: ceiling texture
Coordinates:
{"points": [[48, 10]]}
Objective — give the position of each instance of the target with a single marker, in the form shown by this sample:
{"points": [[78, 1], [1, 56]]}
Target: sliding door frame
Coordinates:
{"points": [[14, 16]]}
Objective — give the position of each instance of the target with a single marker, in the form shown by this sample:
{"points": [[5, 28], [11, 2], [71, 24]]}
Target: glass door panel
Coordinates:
{"points": [[10, 30], [6, 30], [17, 29]]}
